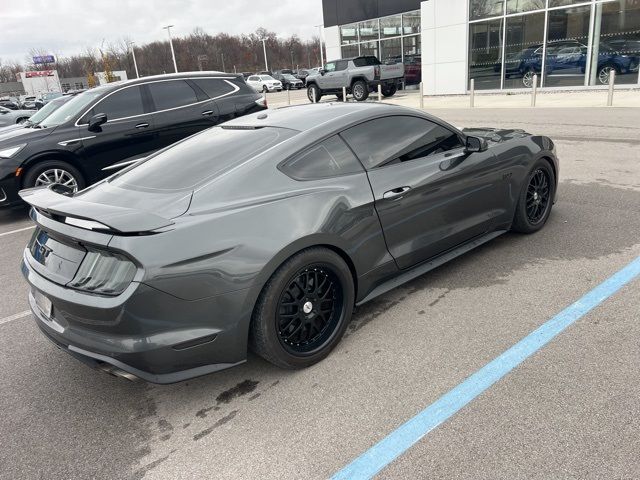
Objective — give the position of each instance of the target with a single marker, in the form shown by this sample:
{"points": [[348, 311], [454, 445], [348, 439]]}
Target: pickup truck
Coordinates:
{"points": [[359, 75]]}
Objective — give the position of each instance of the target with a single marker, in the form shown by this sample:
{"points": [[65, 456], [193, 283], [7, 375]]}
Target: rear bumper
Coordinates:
{"points": [[144, 332]]}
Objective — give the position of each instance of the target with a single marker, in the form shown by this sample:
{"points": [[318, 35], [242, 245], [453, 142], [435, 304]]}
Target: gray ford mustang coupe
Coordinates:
{"points": [[265, 231]]}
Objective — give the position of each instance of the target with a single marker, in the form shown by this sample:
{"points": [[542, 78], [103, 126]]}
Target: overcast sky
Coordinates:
{"points": [[67, 27]]}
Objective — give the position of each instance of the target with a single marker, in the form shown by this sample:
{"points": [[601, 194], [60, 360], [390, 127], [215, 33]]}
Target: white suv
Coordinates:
{"points": [[264, 83]]}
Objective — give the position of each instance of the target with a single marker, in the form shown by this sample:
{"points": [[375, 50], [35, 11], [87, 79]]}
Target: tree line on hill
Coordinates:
{"points": [[196, 51]]}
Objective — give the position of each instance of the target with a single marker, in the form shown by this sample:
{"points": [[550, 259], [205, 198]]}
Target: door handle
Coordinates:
{"points": [[142, 125], [395, 193], [207, 113]]}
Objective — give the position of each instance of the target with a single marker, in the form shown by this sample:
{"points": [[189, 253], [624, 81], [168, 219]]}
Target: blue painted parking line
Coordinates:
{"points": [[400, 440]]}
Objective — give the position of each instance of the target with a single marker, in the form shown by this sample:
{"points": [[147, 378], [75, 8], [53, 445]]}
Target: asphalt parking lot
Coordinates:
{"points": [[571, 410]]}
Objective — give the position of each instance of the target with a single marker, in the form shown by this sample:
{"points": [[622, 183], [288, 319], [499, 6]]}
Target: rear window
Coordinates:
{"points": [[201, 158], [329, 158], [214, 87], [365, 61]]}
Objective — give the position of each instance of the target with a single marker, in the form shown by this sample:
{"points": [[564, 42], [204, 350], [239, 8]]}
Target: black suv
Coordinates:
{"points": [[111, 126]]}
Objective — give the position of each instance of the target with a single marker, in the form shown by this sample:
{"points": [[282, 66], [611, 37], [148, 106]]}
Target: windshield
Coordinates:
{"points": [[267, 77], [288, 76], [45, 111], [49, 96], [72, 108]]}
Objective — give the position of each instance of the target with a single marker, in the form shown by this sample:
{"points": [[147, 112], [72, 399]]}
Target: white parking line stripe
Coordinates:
{"points": [[17, 231], [16, 316]]}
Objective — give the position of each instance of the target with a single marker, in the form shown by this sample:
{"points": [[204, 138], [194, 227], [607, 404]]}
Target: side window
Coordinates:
{"points": [[398, 139], [329, 158], [330, 67], [253, 78], [172, 94], [213, 87], [123, 103], [341, 65]]}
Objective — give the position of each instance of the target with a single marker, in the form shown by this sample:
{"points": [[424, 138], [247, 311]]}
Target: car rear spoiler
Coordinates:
{"points": [[92, 216]]}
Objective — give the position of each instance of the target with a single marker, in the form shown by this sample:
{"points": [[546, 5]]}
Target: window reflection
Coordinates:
{"points": [[485, 53], [349, 51], [391, 26], [411, 23], [517, 6], [412, 60], [348, 34], [616, 44], [369, 48], [523, 50], [368, 30], [391, 51], [485, 8], [567, 40]]}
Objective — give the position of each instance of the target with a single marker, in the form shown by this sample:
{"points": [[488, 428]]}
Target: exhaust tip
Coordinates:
{"points": [[117, 372]]}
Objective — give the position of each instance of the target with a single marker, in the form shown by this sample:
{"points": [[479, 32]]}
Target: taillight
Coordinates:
{"points": [[262, 101], [105, 273]]}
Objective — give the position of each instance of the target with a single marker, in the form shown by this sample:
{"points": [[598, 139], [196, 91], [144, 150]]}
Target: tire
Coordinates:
{"points": [[389, 91], [339, 97], [291, 301], [360, 90], [313, 90], [533, 196], [35, 175], [604, 72], [527, 78]]}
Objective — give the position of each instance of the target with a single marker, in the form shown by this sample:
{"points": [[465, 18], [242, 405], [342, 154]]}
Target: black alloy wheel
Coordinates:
{"points": [[303, 309], [538, 196], [309, 309]]}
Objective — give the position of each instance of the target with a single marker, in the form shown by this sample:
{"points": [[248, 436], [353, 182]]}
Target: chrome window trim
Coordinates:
{"points": [[235, 89]]}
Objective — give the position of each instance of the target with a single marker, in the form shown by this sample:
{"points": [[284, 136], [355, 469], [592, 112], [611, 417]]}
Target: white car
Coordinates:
{"points": [[13, 117], [264, 83]]}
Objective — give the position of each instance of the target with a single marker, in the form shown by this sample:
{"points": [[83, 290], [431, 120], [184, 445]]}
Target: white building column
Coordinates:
{"points": [[332, 43], [445, 42]]}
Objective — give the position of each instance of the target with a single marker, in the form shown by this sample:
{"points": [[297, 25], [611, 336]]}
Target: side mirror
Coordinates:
{"points": [[322, 71], [3, 112], [475, 144], [97, 120]]}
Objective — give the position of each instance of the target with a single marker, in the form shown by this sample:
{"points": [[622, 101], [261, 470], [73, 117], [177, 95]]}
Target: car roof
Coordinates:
{"points": [[320, 115], [171, 76]]}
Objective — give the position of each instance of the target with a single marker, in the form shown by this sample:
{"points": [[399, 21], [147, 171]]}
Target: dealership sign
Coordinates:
{"points": [[40, 59], [40, 73]]}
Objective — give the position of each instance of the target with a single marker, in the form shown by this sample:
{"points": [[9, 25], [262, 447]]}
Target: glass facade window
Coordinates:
{"points": [[411, 23], [616, 44], [566, 50], [562, 3], [368, 30], [523, 50], [391, 26], [391, 51], [369, 48], [348, 34], [485, 53], [412, 60], [349, 51], [485, 8], [517, 6]]}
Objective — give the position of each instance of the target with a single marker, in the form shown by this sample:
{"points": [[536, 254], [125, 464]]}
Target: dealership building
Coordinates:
{"points": [[499, 44]]}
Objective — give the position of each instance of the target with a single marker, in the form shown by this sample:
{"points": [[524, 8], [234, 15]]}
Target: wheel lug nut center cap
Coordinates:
{"points": [[307, 307]]}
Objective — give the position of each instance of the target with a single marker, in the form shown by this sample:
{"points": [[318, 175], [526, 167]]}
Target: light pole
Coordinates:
{"points": [[222, 56], [264, 49], [173, 54], [133, 52], [321, 53]]}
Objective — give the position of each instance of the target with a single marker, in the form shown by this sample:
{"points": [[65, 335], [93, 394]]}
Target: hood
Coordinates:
{"points": [[10, 137], [495, 135]]}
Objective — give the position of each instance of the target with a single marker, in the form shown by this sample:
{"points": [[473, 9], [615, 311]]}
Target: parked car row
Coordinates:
{"points": [[89, 136]]}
